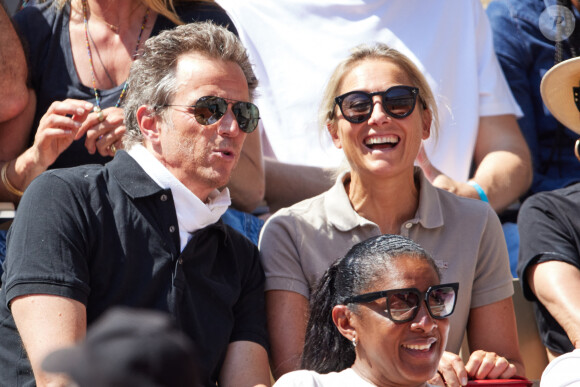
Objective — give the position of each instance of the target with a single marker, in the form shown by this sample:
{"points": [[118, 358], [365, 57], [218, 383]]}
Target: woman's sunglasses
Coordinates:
{"points": [[402, 305], [210, 109], [357, 106]]}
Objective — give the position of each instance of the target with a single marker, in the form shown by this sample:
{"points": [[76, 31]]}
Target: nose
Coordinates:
{"points": [[378, 114], [228, 125], [423, 321]]}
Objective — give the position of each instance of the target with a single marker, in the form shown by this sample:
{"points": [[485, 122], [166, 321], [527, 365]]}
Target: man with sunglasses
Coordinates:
{"points": [[144, 230]]}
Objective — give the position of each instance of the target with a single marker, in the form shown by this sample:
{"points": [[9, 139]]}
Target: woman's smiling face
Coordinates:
{"points": [[382, 144], [399, 353]]}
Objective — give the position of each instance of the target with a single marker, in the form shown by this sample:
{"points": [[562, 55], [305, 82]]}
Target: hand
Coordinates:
{"points": [[57, 129], [451, 371], [489, 365], [440, 180], [104, 131]]}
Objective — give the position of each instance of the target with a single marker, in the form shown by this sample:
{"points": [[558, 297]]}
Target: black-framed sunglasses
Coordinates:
{"points": [[402, 305], [398, 102], [210, 109]]}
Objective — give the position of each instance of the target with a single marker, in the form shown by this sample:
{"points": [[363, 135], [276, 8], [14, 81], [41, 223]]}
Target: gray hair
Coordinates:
{"points": [[152, 80]]}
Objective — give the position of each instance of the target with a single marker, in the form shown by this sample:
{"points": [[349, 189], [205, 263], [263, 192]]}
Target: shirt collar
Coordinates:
{"points": [[192, 213], [341, 214]]}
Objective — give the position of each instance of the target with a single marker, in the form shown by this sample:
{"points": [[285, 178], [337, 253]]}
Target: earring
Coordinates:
{"points": [[576, 145], [354, 342]]}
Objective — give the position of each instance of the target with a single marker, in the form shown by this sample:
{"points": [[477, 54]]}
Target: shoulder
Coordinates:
{"points": [[34, 22], [563, 200], [309, 213], [199, 11], [462, 206], [300, 378]]}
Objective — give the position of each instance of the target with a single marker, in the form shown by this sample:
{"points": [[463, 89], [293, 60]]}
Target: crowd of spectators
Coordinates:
{"points": [[218, 160]]}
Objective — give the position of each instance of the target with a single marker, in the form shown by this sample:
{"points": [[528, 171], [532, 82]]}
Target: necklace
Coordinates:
{"points": [[97, 108], [112, 27]]}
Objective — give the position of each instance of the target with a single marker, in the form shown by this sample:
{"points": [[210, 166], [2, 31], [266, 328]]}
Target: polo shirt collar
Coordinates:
{"points": [[342, 216], [131, 177]]}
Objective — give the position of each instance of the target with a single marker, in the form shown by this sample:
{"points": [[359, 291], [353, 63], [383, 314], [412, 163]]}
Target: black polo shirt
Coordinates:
{"points": [[549, 229], [108, 235]]}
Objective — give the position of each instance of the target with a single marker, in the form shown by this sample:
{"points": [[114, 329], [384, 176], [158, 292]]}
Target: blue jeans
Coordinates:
{"points": [[512, 239], [247, 224], [2, 250]]}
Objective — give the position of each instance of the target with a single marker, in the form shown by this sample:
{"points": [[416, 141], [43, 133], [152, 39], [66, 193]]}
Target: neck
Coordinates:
{"points": [[386, 201], [114, 12]]}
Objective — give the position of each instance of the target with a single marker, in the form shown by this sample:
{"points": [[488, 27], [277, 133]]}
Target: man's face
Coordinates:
{"points": [[202, 157]]}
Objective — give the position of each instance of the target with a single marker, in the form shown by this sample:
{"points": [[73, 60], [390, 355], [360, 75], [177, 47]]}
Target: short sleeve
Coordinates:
{"points": [[46, 248], [280, 255], [493, 280], [547, 232]]}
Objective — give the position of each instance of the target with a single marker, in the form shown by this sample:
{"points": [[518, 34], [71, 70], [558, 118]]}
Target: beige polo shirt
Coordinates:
{"points": [[463, 235]]}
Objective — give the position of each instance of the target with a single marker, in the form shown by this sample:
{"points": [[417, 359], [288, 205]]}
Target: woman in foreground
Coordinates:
{"points": [[379, 317]]}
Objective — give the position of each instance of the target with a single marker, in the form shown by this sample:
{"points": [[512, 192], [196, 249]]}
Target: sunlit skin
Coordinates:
{"points": [[202, 157], [398, 354], [383, 159]]}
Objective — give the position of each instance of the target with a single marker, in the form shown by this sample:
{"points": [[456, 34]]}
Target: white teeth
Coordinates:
{"points": [[392, 139], [421, 347]]}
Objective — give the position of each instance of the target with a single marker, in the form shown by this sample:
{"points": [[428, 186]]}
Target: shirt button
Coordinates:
{"points": [[163, 198], [408, 225], [171, 228], [180, 261]]}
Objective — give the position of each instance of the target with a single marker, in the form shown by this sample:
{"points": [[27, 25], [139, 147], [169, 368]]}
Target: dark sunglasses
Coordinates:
{"points": [[357, 106], [210, 109], [403, 304]]}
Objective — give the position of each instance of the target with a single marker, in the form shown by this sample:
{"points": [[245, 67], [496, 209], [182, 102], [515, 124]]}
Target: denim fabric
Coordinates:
{"points": [[2, 250], [247, 224], [512, 240], [525, 55]]}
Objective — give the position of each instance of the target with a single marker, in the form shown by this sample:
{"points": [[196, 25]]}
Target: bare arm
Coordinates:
{"points": [[246, 364], [557, 285], [287, 184], [287, 315], [14, 70], [46, 323], [492, 329], [504, 166], [248, 184], [56, 131]]}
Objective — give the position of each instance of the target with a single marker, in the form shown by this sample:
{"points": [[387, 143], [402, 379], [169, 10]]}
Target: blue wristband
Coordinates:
{"points": [[479, 190]]}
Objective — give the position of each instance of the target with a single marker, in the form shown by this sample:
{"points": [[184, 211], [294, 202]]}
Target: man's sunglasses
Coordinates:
{"points": [[210, 109], [402, 305], [357, 106]]}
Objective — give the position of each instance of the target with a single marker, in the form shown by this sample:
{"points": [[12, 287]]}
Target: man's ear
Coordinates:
{"points": [[343, 319], [149, 123]]}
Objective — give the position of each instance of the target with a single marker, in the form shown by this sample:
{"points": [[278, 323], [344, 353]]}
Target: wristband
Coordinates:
{"points": [[479, 190]]}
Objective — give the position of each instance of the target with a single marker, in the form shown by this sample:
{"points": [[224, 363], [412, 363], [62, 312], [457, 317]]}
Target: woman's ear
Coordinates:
{"points": [[331, 127], [427, 117], [149, 123], [343, 318]]}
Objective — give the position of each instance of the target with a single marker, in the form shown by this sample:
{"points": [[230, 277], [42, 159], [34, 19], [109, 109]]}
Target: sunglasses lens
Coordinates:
{"points": [[247, 115], [357, 107], [402, 306], [441, 301], [209, 110], [399, 101]]}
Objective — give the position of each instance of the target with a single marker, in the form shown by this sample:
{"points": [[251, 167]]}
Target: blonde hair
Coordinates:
{"points": [[162, 7], [378, 51]]}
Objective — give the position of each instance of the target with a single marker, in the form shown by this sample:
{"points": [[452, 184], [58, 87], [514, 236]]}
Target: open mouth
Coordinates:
{"points": [[382, 142], [423, 346]]}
